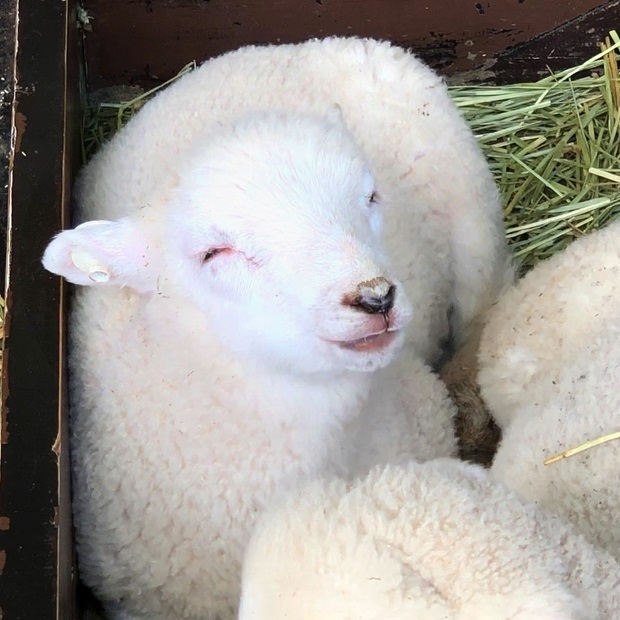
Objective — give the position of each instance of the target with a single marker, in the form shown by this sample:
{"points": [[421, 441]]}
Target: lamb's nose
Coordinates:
{"points": [[375, 297]]}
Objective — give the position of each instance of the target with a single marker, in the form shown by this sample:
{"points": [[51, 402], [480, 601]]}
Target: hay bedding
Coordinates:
{"points": [[554, 149]]}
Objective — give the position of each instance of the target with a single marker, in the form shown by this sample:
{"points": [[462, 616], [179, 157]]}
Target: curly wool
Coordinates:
{"points": [[432, 541], [549, 372]]}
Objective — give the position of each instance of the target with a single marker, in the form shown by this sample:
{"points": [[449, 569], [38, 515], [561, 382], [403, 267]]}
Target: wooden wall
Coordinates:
{"points": [[144, 41], [37, 569]]}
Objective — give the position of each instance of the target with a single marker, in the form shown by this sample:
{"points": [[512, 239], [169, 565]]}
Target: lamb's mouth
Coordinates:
{"points": [[369, 344]]}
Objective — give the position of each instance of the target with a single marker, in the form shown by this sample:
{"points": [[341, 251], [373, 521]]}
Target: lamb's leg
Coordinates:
{"points": [[477, 433]]}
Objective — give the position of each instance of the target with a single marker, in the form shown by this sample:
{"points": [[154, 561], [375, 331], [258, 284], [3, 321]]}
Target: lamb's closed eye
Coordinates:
{"points": [[375, 217], [212, 256], [212, 253]]}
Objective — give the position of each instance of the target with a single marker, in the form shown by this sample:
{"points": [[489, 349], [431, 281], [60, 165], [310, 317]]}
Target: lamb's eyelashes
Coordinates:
{"points": [[211, 253], [374, 213], [373, 198]]}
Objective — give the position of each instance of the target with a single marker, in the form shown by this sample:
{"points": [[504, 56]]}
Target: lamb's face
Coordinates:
{"points": [[274, 232]]}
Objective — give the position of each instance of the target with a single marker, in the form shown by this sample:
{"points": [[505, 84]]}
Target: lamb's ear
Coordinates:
{"points": [[106, 253]]}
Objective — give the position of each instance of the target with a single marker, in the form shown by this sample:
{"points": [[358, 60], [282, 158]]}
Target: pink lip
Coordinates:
{"points": [[369, 344]]}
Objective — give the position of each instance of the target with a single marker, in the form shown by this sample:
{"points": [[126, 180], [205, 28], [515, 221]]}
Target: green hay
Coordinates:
{"points": [[553, 147], [103, 120]]}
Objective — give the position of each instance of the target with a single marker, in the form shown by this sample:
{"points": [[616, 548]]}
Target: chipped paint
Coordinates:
{"points": [[4, 423], [21, 123]]}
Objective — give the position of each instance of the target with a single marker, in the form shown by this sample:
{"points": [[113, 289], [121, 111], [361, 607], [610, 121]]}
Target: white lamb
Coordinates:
{"points": [[547, 321], [443, 230], [240, 297], [584, 405], [433, 541], [550, 374]]}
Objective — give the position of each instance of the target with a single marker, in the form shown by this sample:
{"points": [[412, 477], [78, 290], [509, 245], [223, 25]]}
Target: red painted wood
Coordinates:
{"points": [[135, 40]]}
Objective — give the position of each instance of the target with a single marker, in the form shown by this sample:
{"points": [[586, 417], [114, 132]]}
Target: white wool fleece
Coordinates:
{"points": [[231, 239], [584, 405], [433, 541], [547, 320], [386, 428], [550, 375]]}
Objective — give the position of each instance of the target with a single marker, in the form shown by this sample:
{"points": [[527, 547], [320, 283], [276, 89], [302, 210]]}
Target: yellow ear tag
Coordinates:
{"points": [[87, 264]]}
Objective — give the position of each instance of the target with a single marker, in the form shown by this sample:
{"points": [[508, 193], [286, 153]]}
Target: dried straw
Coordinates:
{"points": [[103, 120], [581, 447], [554, 149]]}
